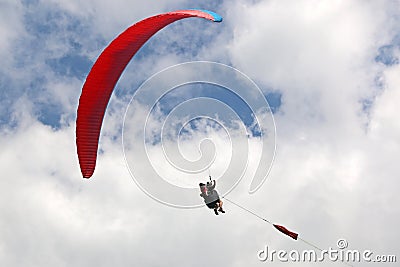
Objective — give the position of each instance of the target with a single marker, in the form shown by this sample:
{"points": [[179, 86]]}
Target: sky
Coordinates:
{"points": [[328, 69]]}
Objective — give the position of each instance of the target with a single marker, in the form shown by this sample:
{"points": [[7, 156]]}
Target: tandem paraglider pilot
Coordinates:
{"points": [[211, 197]]}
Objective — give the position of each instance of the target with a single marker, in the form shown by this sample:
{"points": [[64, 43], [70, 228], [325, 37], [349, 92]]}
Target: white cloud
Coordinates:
{"points": [[10, 26], [317, 53]]}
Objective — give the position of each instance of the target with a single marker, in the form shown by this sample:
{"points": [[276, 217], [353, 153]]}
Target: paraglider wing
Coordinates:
{"points": [[286, 231], [105, 73]]}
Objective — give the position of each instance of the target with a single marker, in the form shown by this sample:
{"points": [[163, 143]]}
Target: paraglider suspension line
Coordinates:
{"points": [[245, 209]]}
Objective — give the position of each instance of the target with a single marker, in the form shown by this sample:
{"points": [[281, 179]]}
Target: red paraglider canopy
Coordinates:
{"points": [[105, 73]]}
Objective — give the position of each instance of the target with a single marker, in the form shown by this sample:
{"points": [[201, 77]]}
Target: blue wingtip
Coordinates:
{"points": [[217, 17]]}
